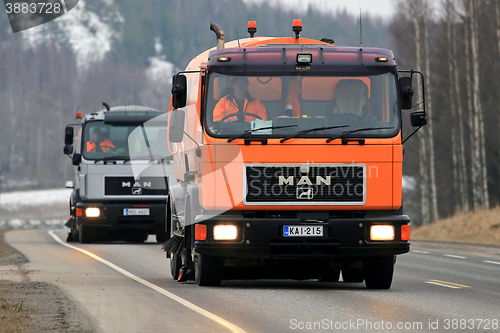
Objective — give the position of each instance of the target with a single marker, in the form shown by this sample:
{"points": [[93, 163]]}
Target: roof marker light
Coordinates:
{"points": [[224, 59], [381, 59]]}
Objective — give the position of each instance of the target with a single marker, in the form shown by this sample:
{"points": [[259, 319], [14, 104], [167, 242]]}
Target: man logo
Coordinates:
{"points": [[137, 184], [305, 193], [137, 190]]}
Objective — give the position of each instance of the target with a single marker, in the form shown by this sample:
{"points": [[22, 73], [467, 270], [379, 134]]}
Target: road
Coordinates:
{"points": [[128, 288]]}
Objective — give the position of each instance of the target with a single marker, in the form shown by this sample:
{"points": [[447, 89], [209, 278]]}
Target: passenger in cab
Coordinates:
{"points": [[351, 102], [99, 143], [238, 101]]}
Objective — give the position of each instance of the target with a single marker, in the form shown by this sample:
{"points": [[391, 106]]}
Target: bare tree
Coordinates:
{"points": [[415, 8], [479, 174], [426, 15], [458, 145]]}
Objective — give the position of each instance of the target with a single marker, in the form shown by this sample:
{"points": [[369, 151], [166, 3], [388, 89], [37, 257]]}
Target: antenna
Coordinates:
{"points": [[238, 38], [360, 28]]}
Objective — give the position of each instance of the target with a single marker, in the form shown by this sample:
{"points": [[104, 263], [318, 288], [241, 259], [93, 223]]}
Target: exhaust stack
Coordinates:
{"points": [[220, 35]]}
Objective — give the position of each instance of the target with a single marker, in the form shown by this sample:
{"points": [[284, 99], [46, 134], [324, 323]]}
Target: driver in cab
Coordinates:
{"points": [[240, 103], [99, 143], [350, 102]]}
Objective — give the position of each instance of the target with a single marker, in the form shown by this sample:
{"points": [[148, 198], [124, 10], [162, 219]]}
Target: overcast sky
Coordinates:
{"points": [[383, 8]]}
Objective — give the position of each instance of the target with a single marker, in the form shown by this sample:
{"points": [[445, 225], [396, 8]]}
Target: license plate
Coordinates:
{"points": [[135, 211], [302, 231]]}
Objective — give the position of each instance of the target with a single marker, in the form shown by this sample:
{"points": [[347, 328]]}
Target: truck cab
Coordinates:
{"points": [[122, 173], [289, 155]]}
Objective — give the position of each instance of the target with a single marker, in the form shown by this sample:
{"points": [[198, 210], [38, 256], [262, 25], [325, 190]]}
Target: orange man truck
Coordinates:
{"points": [[289, 154]]}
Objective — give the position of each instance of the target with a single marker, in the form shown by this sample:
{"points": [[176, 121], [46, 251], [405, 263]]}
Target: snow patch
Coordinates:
{"points": [[13, 201], [409, 183], [159, 69], [89, 37]]}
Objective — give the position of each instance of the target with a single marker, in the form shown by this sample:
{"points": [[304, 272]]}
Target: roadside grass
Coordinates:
{"points": [[480, 227]]}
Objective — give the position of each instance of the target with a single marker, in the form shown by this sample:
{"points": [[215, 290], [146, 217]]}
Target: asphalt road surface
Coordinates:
{"points": [[128, 288]]}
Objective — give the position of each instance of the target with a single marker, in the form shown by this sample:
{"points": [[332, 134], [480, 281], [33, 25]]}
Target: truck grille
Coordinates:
{"points": [[313, 184], [140, 187]]}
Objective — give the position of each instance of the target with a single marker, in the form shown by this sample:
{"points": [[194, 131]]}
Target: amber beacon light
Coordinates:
{"points": [[252, 28], [297, 27]]}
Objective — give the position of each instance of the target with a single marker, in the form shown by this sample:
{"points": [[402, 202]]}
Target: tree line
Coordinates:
{"points": [[456, 44]]}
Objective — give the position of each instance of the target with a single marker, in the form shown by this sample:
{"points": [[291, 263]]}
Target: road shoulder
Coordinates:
{"points": [[29, 306]]}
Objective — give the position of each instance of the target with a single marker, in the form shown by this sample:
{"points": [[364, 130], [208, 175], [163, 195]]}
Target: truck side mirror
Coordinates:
{"points": [[179, 91], [176, 126], [406, 92], [77, 158], [418, 119], [68, 149], [69, 132]]}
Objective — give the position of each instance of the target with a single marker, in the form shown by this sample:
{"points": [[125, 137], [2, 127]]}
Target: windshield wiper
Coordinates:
{"points": [[299, 133], [344, 134], [110, 158], [257, 129]]}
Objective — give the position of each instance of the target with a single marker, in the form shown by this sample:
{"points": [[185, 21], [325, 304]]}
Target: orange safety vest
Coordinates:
{"points": [[106, 144], [226, 106]]}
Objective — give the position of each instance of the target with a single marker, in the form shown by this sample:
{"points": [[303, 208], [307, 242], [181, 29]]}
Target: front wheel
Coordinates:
{"points": [[175, 265], [208, 270], [379, 272]]}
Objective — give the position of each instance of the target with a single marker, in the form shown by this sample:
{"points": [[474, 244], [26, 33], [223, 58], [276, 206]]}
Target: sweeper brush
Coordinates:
{"points": [[174, 244]]}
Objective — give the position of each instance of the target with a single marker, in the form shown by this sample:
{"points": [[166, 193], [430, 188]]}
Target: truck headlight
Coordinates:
{"points": [[382, 232], [92, 212], [225, 232]]}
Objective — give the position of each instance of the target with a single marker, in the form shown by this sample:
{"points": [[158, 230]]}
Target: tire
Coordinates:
{"points": [[379, 272], [352, 274], [330, 275], [86, 234], [175, 265], [208, 271]]}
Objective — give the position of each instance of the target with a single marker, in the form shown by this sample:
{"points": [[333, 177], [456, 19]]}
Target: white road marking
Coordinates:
{"points": [[448, 284], [443, 285], [454, 256], [423, 252], [162, 291], [492, 262]]}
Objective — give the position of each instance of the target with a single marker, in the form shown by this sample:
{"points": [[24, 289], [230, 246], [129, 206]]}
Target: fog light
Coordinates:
{"points": [[92, 212], [382, 232], [225, 232]]}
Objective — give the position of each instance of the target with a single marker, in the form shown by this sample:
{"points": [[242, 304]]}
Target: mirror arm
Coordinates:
{"points": [[198, 150], [415, 131]]}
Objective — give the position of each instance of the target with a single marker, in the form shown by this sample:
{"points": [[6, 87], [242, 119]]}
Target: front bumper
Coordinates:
{"points": [[263, 238], [112, 215]]}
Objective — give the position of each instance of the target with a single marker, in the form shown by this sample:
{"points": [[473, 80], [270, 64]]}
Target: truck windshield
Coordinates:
{"points": [[120, 142], [286, 105]]}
